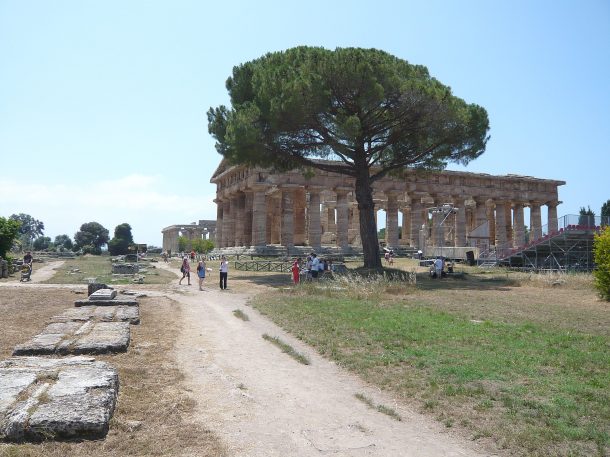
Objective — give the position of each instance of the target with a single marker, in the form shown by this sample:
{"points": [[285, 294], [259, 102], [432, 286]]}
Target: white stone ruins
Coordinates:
{"points": [[258, 208]]}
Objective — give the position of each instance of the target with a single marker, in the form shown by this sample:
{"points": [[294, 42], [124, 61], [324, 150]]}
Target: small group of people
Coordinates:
{"points": [[438, 267], [314, 266], [389, 257], [185, 268]]}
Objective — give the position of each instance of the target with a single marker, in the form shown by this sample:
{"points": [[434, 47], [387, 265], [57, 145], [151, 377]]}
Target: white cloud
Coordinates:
{"points": [[142, 201]]}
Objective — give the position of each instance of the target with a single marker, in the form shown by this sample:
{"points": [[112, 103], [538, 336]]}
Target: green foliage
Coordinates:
{"points": [[183, 243], [63, 241], [605, 214], [121, 241], [586, 216], [9, 230], [91, 237], [202, 246], [42, 243], [371, 112], [30, 228], [601, 257]]}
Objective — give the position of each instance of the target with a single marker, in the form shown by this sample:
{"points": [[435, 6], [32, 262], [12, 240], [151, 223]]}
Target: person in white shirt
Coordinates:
{"points": [[224, 272], [438, 267], [315, 265]]}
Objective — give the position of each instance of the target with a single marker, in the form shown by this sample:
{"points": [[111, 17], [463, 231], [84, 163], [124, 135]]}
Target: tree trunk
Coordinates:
{"points": [[368, 226]]}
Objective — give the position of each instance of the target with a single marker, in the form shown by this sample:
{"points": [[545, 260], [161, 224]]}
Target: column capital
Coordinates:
{"points": [[342, 190]]}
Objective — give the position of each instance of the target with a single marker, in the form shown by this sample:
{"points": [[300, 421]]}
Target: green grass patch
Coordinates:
{"points": [[99, 268], [540, 390], [240, 315], [286, 348]]}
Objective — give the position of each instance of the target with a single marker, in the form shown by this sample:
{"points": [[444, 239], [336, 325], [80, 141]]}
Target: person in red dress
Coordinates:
{"points": [[296, 270]]}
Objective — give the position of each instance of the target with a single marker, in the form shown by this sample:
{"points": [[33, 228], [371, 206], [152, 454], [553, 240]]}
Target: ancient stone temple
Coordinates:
{"points": [[258, 208], [201, 230]]}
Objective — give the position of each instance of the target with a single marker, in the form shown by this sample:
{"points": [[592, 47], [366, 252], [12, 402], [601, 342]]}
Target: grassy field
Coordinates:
{"points": [[80, 269], [521, 362]]}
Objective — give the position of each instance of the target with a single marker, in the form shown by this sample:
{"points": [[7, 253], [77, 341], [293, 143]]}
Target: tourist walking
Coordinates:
{"points": [[224, 272], [201, 272], [186, 270]]}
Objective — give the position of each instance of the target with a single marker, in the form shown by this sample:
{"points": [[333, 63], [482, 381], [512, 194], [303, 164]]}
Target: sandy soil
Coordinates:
{"points": [[263, 403]]}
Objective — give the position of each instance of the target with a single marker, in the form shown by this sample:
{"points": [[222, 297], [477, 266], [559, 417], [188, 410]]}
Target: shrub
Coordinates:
{"points": [[601, 257]]}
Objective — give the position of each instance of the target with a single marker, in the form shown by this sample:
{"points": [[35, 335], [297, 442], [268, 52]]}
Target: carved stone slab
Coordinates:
{"points": [[120, 313], [68, 398], [75, 337], [103, 294], [118, 300]]}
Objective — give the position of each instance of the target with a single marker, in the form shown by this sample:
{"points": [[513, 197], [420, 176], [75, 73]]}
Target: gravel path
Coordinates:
{"points": [[264, 403]]}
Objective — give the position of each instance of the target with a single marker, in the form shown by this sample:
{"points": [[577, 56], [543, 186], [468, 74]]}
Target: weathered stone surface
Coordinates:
{"points": [[103, 294], [75, 337], [119, 300], [96, 286], [69, 398], [121, 313], [125, 268]]}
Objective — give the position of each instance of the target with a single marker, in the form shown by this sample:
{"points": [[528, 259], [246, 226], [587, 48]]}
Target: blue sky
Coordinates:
{"points": [[102, 104]]}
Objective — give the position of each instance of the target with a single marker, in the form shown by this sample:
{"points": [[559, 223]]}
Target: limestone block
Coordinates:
{"points": [[118, 300], [75, 337], [103, 294], [68, 398], [120, 313]]}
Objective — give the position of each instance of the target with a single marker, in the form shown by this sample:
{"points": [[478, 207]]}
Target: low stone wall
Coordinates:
{"points": [[125, 268]]}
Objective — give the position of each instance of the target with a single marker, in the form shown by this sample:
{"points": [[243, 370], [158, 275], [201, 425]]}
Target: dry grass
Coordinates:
{"points": [[154, 407]]}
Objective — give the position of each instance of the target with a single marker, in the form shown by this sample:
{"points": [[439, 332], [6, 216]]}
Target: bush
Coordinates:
{"points": [[601, 257]]}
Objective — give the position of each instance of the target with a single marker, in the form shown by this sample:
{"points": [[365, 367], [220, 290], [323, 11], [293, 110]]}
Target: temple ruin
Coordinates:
{"points": [[262, 211], [201, 230]]}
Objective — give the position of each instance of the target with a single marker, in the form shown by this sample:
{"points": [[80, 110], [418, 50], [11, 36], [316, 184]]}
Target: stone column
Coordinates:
{"points": [[416, 222], [299, 216], [491, 221], [519, 229], [324, 216], [219, 223], [227, 223], [249, 208], [315, 224], [331, 221], [535, 221], [406, 226], [460, 222], [342, 217], [480, 213], [391, 220], [509, 222], [259, 217], [274, 221], [437, 234], [501, 224], [552, 216], [239, 217], [287, 231]]}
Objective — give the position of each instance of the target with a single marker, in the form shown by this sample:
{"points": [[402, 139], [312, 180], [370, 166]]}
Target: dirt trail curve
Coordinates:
{"points": [[264, 403]]}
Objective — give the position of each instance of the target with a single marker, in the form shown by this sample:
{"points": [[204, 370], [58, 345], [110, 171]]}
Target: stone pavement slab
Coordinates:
{"points": [[103, 294], [68, 398], [75, 337], [129, 314], [118, 300]]}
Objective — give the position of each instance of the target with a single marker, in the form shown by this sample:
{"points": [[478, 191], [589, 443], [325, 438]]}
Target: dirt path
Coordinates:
{"points": [[263, 403], [40, 272]]}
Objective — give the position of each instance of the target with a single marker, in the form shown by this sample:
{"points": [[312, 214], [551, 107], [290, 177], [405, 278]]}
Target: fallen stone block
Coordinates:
{"points": [[120, 313], [118, 300], [103, 294], [50, 399], [76, 337]]}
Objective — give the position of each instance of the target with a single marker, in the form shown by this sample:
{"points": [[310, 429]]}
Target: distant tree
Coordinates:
{"points": [[9, 231], [371, 113], [42, 243], [586, 217], [605, 214], [601, 257], [183, 243], [208, 245], [30, 228], [91, 237], [121, 241], [63, 241]]}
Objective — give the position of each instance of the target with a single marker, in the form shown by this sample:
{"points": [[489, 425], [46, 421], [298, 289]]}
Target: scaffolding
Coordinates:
{"points": [[567, 248]]}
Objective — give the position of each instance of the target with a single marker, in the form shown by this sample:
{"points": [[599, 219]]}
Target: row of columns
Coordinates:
{"points": [[294, 215]]}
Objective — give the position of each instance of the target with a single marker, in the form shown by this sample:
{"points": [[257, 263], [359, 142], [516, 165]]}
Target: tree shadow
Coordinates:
{"points": [[461, 281]]}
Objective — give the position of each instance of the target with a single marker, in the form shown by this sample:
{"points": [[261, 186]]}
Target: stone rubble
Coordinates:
{"points": [[120, 313]]}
